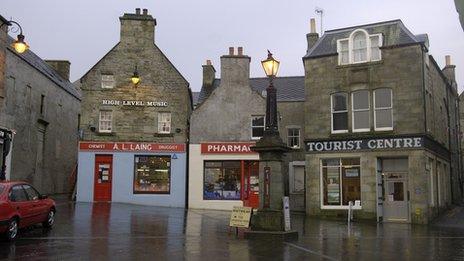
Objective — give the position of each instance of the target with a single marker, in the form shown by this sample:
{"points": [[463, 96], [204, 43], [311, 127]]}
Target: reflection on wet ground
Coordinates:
{"points": [[130, 232]]}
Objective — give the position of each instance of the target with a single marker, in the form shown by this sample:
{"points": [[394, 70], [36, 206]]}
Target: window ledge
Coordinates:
{"points": [[359, 65], [105, 133], [163, 135], [341, 207]]}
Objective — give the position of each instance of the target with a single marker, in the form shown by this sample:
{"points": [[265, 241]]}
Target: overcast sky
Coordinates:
{"points": [[189, 32]]}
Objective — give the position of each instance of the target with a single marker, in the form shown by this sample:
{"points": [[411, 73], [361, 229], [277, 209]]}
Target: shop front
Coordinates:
{"points": [[223, 175], [132, 172], [385, 179]]}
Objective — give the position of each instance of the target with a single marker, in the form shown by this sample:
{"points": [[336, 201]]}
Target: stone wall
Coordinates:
{"points": [[46, 165], [160, 82]]}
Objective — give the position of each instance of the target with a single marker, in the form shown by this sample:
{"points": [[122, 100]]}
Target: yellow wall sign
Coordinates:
{"points": [[240, 217]]}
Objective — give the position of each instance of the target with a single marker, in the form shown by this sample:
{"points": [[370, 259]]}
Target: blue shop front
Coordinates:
{"points": [[132, 172]]}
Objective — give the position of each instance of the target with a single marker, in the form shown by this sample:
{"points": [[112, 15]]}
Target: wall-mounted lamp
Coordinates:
{"points": [[135, 77], [19, 44]]}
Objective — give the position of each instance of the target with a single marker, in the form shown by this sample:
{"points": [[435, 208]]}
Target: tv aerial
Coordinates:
{"points": [[320, 12]]}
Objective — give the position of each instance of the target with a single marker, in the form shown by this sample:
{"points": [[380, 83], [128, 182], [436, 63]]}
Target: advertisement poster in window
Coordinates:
{"points": [[222, 180]]}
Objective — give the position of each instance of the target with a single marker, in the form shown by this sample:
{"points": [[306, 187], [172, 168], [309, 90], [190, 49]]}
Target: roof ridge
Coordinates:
{"points": [[363, 25]]}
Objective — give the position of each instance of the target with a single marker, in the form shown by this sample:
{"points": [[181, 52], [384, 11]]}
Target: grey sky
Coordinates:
{"points": [[189, 32]]}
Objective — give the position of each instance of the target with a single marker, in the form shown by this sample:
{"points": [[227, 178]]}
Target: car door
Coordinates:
{"points": [[38, 207], [21, 205]]}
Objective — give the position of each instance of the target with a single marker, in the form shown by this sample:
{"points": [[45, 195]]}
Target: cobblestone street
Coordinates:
{"points": [[131, 232]]}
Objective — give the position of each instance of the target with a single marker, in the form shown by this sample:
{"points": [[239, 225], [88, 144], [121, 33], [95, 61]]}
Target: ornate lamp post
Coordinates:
{"points": [[19, 44], [273, 169]]}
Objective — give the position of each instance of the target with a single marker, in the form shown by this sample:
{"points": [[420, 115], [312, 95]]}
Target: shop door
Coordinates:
{"points": [[396, 198], [251, 184], [103, 177], [297, 188]]}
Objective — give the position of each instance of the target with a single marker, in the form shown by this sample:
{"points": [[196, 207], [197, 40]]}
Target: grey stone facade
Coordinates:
{"points": [[423, 104], [160, 82], [41, 109]]}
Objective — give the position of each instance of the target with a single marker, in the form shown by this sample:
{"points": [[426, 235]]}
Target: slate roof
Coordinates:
{"points": [[35, 61], [195, 96], [394, 33], [289, 88]]}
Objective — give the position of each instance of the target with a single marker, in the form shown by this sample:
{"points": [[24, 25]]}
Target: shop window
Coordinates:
{"points": [[221, 180], [341, 181], [360, 110], [339, 113], [257, 126], [105, 122], [152, 174], [164, 122], [383, 109], [293, 138], [107, 81], [360, 47]]}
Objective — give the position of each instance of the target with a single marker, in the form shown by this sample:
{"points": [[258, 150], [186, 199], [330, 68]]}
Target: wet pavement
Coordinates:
{"points": [[104, 231]]}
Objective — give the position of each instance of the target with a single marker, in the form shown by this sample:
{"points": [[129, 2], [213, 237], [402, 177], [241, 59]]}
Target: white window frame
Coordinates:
{"points": [[383, 108], [104, 86], [368, 46], [321, 183], [353, 110], [100, 120], [299, 136], [251, 126], [332, 113], [162, 120]]}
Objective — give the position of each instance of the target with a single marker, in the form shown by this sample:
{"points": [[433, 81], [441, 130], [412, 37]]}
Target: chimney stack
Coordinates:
{"points": [[313, 36], [209, 74], [137, 30], [449, 72], [235, 69], [62, 67]]}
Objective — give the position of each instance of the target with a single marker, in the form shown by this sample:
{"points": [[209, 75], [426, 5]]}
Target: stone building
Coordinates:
{"points": [[381, 125], [134, 136], [39, 110], [229, 118]]}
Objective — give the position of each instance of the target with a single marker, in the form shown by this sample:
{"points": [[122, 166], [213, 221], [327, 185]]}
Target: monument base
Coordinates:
{"points": [[269, 224]]}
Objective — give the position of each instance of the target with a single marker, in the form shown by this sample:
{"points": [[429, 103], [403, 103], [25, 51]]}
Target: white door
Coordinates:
{"points": [[297, 188], [396, 198]]}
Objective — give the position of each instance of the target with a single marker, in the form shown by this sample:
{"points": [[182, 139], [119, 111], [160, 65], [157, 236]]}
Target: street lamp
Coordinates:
{"points": [[271, 67], [135, 77], [19, 44]]}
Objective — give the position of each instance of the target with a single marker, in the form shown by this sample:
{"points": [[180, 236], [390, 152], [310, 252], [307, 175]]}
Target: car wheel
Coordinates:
{"points": [[50, 219], [12, 231]]}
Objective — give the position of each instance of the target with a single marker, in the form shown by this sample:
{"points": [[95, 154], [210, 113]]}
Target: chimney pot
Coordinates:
{"points": [[137, 11], [208, 62], [448, 60], [312, 25], [145, 11], [231, 50], [240, 50]]}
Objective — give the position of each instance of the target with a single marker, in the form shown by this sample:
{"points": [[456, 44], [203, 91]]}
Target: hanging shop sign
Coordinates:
{"points": [[365, 144], [227, 148], [135, 103], [131, 147], [240, 217]]}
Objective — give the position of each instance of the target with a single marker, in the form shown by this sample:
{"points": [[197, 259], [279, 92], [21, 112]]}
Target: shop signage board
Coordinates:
{"points": [[240, 217], [131, 147], [227, 148], [286, 204], [135, 103], [365, 144]]}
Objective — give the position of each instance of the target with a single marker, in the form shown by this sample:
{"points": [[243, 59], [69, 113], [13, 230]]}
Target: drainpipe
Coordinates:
{"points": [[424, 91]]}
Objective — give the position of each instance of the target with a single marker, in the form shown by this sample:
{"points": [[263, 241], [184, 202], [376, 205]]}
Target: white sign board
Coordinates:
{"points": [[286, 213], [240, 217]]}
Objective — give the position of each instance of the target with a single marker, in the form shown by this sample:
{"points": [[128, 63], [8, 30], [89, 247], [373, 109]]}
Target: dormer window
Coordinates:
{"points": [[360, 47]]}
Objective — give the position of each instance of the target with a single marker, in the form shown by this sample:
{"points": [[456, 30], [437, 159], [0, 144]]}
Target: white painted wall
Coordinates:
{"points": [[196, 178]]}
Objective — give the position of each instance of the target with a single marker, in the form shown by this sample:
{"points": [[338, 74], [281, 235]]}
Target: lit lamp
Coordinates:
{"points": [[19, 44], [135, 77], [271, 66]]}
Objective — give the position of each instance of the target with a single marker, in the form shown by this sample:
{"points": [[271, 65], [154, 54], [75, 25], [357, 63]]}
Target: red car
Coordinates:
{"points": [[22, 206]]}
